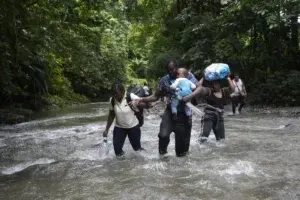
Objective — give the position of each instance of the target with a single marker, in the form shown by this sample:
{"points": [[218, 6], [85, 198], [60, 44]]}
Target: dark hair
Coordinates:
{"points": [[117, 85], [211, 83], [172, 60]]}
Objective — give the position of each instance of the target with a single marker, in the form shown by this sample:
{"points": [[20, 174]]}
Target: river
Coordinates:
{"points": [[57, 156]]}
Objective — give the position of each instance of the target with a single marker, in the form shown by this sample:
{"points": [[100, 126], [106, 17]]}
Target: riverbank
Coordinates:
{"points": [[15, 115], [19, 115]]}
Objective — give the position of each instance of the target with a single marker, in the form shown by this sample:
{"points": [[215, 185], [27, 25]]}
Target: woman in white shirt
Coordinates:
{"points": [[126, 121]]}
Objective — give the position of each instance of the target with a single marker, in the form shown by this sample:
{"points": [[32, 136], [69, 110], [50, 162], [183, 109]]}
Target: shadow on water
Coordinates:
{"points": [[59, 155]]}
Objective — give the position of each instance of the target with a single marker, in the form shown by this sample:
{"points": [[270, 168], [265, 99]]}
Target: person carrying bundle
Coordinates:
{"points": [[216, 97]]}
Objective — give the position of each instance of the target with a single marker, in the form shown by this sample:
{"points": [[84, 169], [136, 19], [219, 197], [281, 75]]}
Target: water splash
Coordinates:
{"points": [[22, 166]]}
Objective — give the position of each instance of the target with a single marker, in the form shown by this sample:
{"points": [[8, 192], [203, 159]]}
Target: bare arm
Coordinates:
{"points": [[200, 83], [230, 83], [152, 98], [110, 120], [199, 92]]}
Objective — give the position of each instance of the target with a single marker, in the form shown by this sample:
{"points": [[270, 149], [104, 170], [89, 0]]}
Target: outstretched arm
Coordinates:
{"points": [[144, 100], [199, 92], [200, 83]]}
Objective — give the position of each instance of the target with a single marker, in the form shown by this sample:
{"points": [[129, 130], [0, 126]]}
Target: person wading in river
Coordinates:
{"points": [[239, 94], [183, 124], [127, 122], [216, 97]]}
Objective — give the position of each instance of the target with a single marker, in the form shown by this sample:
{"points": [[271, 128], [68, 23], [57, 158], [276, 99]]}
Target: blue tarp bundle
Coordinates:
{"points": [[216, 71]]}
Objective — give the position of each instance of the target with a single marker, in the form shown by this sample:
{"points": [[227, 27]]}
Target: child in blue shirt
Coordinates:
{"points": [[182, 87]]}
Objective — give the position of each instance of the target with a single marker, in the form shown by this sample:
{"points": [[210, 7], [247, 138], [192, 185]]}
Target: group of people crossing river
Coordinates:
{"points": [[179, 86]]}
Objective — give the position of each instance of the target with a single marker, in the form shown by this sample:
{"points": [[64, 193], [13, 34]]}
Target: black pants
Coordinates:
{"points": [[236, 100], [119, 136], [182, 127], [213, 122]]}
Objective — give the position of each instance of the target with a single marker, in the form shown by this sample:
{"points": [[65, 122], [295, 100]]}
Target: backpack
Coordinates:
{"points": [[139, 91]]}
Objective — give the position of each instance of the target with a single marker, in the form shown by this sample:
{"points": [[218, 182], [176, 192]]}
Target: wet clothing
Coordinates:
{"points": [[235, 101], [213, 121], [213, 117], [182, 126], [119, 136], [126, 124]]}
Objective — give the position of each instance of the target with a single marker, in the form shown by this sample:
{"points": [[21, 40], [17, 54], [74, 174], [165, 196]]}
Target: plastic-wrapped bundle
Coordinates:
{"points": [[216, 71]]}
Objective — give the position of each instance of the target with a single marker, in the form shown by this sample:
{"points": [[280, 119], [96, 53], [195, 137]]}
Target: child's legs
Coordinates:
{"points": [[188, 111], [174, 105]]}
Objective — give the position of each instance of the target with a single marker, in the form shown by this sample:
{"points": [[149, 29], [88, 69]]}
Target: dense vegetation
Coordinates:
{"points": [[57, 52]]}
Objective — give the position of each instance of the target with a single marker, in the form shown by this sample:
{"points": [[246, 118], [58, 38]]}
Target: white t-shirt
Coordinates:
{"points": [[125, 117], [238, 87]]}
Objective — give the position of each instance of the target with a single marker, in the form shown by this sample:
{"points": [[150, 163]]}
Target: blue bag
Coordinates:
{"points": [[216, 71]]}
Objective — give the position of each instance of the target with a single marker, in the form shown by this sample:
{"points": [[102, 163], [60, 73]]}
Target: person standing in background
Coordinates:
{"points": [[239, 94]]}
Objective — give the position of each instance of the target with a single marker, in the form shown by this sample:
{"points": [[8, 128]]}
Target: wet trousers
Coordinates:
{"points": [[119, 136], [182, 127], [212, 121], [235, 101]]}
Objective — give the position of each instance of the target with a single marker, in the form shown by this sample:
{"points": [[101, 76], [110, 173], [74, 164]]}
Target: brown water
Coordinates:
{"points": [[55, 157]]}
